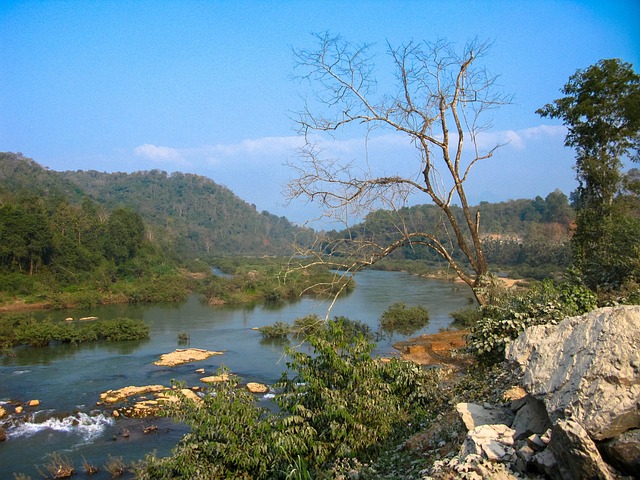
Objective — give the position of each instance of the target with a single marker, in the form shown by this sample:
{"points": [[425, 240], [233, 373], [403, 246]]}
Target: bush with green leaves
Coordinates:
{"points": [[544, 303], [27, 330], [310, 324], [465, 317], [404, 320], [337, 404], [277, 331]]}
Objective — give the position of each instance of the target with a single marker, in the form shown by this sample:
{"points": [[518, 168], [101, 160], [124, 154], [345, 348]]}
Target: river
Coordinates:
{"points": [[68, 380]]}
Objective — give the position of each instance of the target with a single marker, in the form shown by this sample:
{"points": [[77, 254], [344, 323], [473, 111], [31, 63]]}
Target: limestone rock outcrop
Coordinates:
{"points": [[580, 415], [586, 369]]}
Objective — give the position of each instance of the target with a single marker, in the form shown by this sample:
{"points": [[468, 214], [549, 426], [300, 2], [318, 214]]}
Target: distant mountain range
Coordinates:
{"points": [[189, 214]]}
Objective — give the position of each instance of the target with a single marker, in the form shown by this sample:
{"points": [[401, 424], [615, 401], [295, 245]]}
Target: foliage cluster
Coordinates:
{"points": [[313, 325], [24, 329], [543, 303], [402, 319], [600, 110], [337, 404], [250, 280]]}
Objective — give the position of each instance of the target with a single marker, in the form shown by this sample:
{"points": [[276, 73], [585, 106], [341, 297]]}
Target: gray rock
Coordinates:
{"points": [[585, 368], [525, 457], [576, 454], [536, 443], [474, 415], [544, 462], [531, 418], [623, 452], [493, 442]]}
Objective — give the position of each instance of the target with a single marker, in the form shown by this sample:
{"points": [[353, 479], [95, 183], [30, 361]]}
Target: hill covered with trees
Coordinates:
{"points": [[528, 236], [186, 215]]}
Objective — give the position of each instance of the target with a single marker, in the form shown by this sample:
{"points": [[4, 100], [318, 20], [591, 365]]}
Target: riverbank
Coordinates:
{"points": [[437, 349]]}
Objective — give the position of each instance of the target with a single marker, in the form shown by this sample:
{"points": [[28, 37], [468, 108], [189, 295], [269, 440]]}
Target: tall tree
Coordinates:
{"points": [[602, 112], [438, 103]]}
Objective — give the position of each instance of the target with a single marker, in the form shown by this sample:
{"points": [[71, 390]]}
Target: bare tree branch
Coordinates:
{"points": [[440, 100]]}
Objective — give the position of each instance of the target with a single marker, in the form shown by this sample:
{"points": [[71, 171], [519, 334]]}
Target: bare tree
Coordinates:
{"points": [[438, 102]]}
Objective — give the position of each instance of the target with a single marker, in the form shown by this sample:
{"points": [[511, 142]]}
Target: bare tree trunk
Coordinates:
{"points": [[438, 105]]}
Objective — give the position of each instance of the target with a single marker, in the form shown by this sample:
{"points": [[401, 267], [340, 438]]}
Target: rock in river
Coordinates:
{"points": [[184, 355]]}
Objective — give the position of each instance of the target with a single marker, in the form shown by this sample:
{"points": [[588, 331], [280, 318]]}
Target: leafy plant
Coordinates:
{"points": [[337, 406], [402, 319], [277, 331], [543, 303], [184, 338]]}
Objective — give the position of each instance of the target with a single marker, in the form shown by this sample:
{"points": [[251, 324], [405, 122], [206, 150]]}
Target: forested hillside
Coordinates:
{"points": [[186, 215], [531, 236], [67, 221]]}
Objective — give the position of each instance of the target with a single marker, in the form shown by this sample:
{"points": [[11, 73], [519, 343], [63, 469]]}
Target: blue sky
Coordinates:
{"points": [[206, 86]]}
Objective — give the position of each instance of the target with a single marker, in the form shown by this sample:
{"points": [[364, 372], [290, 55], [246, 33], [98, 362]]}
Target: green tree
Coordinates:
{"points": [[124, 235], [25, 236], [602, 112]]}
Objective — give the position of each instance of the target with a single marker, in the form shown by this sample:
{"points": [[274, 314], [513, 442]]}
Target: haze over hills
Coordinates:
{"points": [[186, 213]]}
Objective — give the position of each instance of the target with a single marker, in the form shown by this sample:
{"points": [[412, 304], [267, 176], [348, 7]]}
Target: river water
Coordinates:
{"points": [[68, 380]]}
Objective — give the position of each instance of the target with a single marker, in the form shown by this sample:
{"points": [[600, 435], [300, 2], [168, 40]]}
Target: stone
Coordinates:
{"points": [[576, 454], [535, 442], [184, 355], [525, 456], [3, 412], [3, 435], [586, 368], [623, 452], [531, 418], [493, 442], [215, 378], [474, 415], [116, 414], [254, 387], [113, 396], [544, 462], [200, 370], [189, 394], [34, 403], [19, 409]]}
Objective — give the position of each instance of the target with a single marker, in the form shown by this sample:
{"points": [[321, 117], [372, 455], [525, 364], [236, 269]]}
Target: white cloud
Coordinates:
{"points": [[159, 153], [249, 149], [519, 138]]}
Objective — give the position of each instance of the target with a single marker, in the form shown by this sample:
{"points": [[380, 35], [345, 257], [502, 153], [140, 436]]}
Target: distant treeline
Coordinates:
{"points": [[528, 236]]}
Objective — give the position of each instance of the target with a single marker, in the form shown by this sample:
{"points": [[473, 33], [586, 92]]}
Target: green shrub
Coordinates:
{"points": [[544, 303], [229, 437], [277, 331], [404, 320], [26, 330], [309, 325], [466, 317], [338, 406], [184, 338], [123, 328]]}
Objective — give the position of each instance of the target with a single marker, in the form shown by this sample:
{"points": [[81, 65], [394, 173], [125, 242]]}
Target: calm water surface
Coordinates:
{"points": [[68, 379]]}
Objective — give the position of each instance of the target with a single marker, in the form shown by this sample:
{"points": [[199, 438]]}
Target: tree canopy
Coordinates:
{"points": [[601, 109]]}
